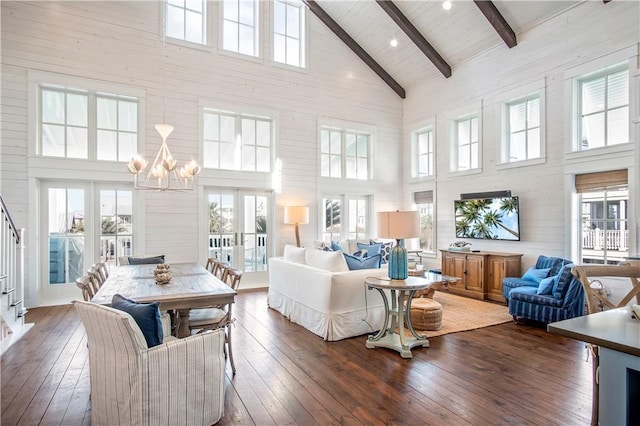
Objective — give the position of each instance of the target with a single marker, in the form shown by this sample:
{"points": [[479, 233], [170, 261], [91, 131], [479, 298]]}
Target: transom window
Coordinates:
{"points": [[239, 26], [288, 32], [72, 122], [354, 163], [186, 20], [423, 154], [603, 109], [237, 142], [523, 121], [467, 143], [423, 201]]}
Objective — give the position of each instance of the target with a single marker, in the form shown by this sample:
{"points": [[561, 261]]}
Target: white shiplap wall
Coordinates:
{"points": [[544, 54], [121, 43]]}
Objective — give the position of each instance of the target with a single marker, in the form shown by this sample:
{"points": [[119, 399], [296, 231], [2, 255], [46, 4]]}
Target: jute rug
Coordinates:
{"points": [[463, 314]]}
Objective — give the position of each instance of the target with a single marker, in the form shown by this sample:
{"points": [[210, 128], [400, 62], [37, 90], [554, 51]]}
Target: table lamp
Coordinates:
{"points": [[398, 225], [296, 215]]}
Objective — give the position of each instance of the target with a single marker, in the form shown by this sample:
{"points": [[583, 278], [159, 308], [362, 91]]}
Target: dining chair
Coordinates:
{"points": [[99, 273], [89, 286], [216, 317], [216, 266]]}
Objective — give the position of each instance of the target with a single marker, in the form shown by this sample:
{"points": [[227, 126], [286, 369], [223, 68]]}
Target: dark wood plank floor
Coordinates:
{"points": [[502, 375]]}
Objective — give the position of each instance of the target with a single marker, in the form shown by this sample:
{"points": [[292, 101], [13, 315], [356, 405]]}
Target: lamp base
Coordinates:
{"points": [[398, 262]]}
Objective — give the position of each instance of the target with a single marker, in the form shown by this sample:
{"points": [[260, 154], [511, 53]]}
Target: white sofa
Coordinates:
{"points": [[315, 289]]}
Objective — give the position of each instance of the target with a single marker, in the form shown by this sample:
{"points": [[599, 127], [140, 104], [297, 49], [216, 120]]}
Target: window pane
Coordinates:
{"points": [[593, 96], [618, 126], [247, 11], [336, 147], [263, 163], [593, 131], [227, 158], [76, 110], [175, 22], [293, 21], [211, 130], [227, 129], [128, 116], [52, 140], [279, 21], [324, 165], [127, 146], [279, 48], [230, 36], [474, 129], [53, 107], [351, 167], [463, 158], [618, 89], [350, 144], [533, 113], [533, 145], [107, 114], [193, 27], [248, 158], [246, 42], [293, 52], [517, 117], [474, 156], [517, 149], [464, 130], [77, 142], [264, 133], [336, 166], [324, 141], [211, 158], [248, 132], [195, 5], [362, 145], [362, 168], [231, 10], [107, 145]]}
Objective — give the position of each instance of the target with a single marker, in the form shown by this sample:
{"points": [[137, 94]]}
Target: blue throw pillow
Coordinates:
{"points": [[385, 250], [336, 246], [546, 285], [535, 275], [372, 249], [146, 315], [146, 260], [371, 262]]}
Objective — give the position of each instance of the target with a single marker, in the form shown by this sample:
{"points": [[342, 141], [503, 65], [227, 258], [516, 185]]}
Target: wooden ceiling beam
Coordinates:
{"points": [[416, 37], [498, 22], [351, 43]]}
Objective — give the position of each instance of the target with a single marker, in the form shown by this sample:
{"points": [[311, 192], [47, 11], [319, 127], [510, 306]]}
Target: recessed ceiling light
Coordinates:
{"points": [[446, 5], [393, 42]]}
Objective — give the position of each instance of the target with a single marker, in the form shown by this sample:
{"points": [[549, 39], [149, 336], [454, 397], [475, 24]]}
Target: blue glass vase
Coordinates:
{"points": [[398, 262]]}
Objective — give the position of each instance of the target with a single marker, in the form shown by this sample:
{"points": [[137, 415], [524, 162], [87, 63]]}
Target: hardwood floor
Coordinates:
{"points": [[502, 375]]}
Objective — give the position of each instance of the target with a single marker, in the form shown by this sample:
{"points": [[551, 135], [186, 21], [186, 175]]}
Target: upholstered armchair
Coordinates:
{"points": [[180, 381]]}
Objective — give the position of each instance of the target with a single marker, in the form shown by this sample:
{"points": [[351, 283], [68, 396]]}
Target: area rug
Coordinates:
{"points": [[463, 314]]}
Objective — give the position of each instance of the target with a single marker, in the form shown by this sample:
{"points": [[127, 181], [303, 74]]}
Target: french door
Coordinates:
{"points": [[65, 240], [239, 230]]}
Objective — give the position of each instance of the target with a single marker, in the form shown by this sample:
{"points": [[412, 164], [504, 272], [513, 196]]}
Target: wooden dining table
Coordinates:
{"points": [[191, 286]]}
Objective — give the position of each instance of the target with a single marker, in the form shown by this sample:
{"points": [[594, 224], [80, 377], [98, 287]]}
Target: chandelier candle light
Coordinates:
{"points": [[398, 225], [163, 175]]}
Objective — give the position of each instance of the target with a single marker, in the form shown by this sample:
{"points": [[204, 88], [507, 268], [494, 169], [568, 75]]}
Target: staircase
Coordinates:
{"points": [[12, 310]]}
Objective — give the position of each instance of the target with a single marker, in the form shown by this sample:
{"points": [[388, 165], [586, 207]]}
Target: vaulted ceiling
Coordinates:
{"points": [[468, 29]]}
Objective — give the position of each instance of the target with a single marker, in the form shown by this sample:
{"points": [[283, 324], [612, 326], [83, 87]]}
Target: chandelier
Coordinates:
{"points": [[163, 175]]}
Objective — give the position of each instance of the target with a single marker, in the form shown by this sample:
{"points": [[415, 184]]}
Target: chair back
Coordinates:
{"points": [[103, 270], [89, 286], [123, 260], [216, 266], [232, 277], [593, 288]]}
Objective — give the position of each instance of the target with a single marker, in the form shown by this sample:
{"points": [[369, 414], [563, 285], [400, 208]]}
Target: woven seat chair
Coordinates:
{"points": [[180, 381], [217, 317]]}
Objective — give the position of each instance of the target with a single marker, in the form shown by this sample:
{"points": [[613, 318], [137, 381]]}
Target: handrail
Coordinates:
{"points": [[12, 225]]}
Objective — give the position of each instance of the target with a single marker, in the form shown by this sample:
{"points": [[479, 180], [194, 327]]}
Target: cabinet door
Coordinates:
{"points": [[496, 273], [475, 275]]}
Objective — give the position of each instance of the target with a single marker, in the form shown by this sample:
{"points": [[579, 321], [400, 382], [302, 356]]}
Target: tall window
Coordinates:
{"points": [[346, 216], [523, 121], [239, 26], [116, 225], [237, 142], [358, 214], [604, 200], [354, 163], [423, 154], [424, 204], [74, 122], [288, 32], [186, 20], [603, 109], [66, 229], [331, 220], [467, 143]]}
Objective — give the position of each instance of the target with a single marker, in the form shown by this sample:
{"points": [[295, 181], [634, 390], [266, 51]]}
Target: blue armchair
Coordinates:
{"points": [[565, 301], [544, 262]]}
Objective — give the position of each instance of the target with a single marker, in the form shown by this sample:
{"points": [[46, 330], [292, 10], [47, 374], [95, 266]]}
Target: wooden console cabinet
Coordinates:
{"points": [[480, 273]]}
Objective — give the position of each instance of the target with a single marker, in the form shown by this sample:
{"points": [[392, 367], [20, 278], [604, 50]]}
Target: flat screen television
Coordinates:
{"points": [[488, 218]]}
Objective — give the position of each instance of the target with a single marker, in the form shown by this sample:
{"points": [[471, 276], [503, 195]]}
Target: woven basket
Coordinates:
{"points": [[426, 314]]}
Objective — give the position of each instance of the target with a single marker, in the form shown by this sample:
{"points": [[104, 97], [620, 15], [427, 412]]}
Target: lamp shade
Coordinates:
{"points": [[296, 215], [398, 225]]}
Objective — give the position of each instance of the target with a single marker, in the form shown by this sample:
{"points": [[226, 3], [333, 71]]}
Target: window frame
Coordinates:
{"points": [[432, 254], [256, 30], [417, 156], [302, 30], [345, 216], [345, 128], [454, 143]]}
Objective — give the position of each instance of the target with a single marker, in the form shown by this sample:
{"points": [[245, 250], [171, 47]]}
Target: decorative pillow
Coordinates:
{"points": [[332, 261], [146, 315], [536, 275], [151, 260], [546, 285], [562, 280], [294, 254], [371, 262], [385, 250], [336, 246], [372, 249]]}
